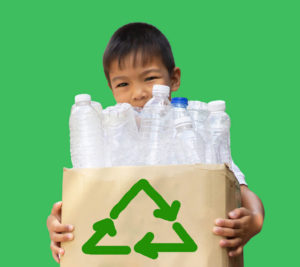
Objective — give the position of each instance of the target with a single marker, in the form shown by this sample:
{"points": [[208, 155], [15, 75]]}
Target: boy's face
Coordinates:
{"points": [[133, 84]]}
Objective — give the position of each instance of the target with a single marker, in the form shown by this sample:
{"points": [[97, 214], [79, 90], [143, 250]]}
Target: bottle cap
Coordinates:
{"points": [[179, 102], [197, 105], [183, 121], [82, 97], [218, 105], [159, 88]]}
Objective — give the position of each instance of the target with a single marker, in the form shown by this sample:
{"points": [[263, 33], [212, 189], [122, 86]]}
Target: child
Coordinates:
{"points": [[137, 57]]}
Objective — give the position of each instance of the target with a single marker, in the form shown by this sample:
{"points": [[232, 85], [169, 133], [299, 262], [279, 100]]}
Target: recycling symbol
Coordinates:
{"points": [[145, 246]]}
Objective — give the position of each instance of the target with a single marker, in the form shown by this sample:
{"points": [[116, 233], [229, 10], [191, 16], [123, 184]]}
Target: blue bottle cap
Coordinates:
{"points": [[181, 102]]}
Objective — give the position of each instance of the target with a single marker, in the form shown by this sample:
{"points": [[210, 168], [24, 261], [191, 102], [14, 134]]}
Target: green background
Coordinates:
{"points": [[245, 52]]}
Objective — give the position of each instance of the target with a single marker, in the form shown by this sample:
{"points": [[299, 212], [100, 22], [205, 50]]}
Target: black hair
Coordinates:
{"points": [[138, 37]]}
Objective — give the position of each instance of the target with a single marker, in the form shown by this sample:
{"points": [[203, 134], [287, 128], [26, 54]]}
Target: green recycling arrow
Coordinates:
{"points": [[148, 249], [165, 211], [145, 245], [102, 228]]}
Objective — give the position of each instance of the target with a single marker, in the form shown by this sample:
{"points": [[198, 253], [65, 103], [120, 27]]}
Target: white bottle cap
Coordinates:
{"points": [[197, 105], [159, 88], [218, 105], [82, 97], [183, 121]]}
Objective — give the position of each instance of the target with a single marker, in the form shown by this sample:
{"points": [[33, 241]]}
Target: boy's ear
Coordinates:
{"points": [[175, 79]]}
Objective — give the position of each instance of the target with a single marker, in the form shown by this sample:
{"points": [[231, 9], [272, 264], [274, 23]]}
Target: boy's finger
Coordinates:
{"points": [[56, 209], [227, 232], [57, 227], [56, 251], [238, 213], [55, 257], [231, 243], [229, 223], [236, 252], [61, 237]]}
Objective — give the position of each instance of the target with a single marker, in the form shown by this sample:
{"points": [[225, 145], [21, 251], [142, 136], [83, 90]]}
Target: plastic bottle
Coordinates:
{"points": [[218, 124], [96, 105], [86, 134], [189, 147], [198, 111], [121, 134], [179, 105], [155, 127]]}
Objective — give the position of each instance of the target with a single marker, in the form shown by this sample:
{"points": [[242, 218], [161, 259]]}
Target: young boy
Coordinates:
{"points": [[137, 57]]}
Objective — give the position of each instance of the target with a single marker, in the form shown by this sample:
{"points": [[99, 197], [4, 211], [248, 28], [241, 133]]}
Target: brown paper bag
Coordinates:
{"points": [[148, 216]]}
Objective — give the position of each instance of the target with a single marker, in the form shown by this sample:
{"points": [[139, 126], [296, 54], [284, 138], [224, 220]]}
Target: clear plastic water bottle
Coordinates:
{"points": [[179, 105], [155, 129], [189, 147], [218, 124], [96, 105], [198, 111], [86, 134], [121, 134], [178, 110]]}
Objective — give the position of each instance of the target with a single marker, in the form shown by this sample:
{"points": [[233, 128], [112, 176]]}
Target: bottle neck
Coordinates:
{"points": [[160, 95], [83, 103], [183, 106]]}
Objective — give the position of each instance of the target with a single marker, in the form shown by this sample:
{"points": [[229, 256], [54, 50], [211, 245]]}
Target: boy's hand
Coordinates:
{"points": [[57, 231], [239, 228]]}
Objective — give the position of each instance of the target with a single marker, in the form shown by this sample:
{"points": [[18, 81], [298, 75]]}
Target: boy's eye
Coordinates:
{"points": [[122, 84], [151, 78]]}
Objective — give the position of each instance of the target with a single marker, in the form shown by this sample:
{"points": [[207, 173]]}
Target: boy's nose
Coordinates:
{"points": [[139, 96]]}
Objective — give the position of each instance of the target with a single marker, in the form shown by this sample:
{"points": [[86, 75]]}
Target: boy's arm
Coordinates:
{"points": [[243, 223], [253, 203]]}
